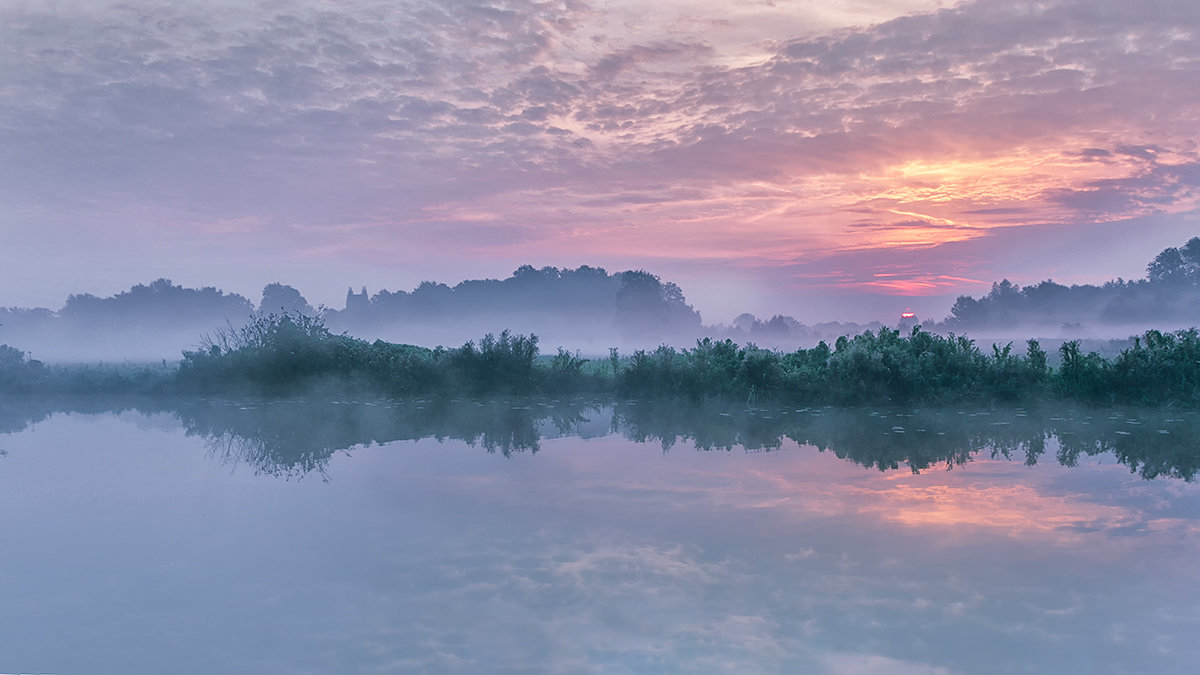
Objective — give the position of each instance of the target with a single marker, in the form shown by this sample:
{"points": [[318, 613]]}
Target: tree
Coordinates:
{"points": [[648, 307], [1177, 265], [282, 299], [745, 321]]}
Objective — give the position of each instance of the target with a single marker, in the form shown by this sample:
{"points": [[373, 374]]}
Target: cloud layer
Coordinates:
{"points": [[775, 142]]}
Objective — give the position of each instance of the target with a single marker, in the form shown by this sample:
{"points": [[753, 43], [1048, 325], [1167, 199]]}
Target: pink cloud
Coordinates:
{"points": [[925, 147]]}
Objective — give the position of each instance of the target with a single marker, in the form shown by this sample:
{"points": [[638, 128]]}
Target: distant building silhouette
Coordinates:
{"points": [[357, 301]]}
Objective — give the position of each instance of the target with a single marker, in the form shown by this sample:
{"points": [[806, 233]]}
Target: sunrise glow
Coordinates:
{"points": [[894, 148]]}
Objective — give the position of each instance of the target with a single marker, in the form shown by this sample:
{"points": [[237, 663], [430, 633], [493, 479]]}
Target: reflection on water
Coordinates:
{"points": [[295, 437], [157, 536]]}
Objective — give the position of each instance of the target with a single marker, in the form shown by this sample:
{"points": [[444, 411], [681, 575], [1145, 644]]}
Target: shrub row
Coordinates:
{"points": [[290, 353]]}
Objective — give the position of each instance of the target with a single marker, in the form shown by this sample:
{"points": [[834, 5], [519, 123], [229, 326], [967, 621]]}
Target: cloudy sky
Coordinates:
{"points": [[819, 158]]}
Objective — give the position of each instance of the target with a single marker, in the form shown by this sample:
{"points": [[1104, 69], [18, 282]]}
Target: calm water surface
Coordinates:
{"points": [[285, 537]]}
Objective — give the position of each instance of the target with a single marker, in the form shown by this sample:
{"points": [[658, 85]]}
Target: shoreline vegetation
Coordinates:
{"points": [[293, 353]]}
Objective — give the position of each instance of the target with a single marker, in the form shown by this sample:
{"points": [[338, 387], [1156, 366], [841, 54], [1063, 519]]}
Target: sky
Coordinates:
{"points": [[828, 160]]}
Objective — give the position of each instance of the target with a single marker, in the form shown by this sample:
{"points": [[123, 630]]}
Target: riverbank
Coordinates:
{"points": [[289, 354]]}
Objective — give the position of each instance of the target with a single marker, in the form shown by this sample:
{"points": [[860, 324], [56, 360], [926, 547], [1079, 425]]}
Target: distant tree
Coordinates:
{"points": [[159, 303], [998, 307], [965, 310], [431, 298], [1169, 293], [778, 326], [529, 273], [10, 356], [548, 298], [1005, 292], [1177, 265], [280, 298], [648, 307], [16, 319]]}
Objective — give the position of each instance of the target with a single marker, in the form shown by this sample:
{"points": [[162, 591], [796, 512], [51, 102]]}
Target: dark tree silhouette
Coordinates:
{"points": [[1177, 265], [1170, 293], [648, 307], [280, 298]]}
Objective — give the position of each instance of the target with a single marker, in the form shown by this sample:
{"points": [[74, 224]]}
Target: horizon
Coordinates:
{"points": [[827, 163], [255, 297]]}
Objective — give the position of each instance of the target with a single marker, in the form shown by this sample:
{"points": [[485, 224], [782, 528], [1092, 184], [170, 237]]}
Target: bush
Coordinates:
{"points": [[290, 352]]}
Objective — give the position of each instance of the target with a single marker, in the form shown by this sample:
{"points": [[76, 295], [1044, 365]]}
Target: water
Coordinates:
{"points": [[291, 537]]}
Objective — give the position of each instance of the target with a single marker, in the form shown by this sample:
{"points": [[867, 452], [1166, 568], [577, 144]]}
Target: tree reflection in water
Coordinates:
{"points": [[293, 438]]}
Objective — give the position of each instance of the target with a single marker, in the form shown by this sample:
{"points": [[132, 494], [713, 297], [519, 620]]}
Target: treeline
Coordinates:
{"points": [[149, 321], [631, 304], [1170, 292], [587, 305], [289, 353]]}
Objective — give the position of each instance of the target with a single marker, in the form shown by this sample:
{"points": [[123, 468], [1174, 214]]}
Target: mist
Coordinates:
{"points": [[588, 311]]}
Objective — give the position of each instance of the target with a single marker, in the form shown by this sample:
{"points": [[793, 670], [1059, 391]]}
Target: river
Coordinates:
{"points": [[211, 536]]}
